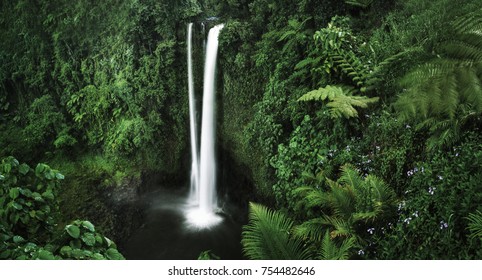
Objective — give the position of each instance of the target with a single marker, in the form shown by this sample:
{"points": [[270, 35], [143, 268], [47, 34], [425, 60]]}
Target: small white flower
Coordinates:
{"points": [[443, 225]]}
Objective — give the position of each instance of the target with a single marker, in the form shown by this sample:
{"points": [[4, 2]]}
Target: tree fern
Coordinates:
{"points": [[268, 236], [444, 93], [341, 101]]}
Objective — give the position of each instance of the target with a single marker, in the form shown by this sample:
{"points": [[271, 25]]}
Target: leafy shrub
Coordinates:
{"points": [[27, 198], [28, 212], [45, 123], [432, 221]]}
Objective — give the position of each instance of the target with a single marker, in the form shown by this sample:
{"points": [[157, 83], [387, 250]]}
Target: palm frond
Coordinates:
{"points": [[268, 236]]}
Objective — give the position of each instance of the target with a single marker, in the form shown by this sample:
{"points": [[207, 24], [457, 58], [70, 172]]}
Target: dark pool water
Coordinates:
{"points": [[164, 234]]}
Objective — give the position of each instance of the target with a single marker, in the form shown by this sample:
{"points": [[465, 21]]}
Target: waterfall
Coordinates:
{"points": [[194, 195], [204, 214]]}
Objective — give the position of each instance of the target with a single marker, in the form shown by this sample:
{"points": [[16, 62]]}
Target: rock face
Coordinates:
{"points": [[124, 215]]}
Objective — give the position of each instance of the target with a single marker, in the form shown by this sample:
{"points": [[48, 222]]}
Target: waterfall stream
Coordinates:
{"points": [[174, 227], [194, 195], [203, 213]]}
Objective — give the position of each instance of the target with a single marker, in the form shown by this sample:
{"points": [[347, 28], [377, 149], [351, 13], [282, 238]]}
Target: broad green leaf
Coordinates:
{"points": [[23, 169], [7, 167], [98, 239], [113, 254], [37, 197], [110, 243], [39, 169], [14, 193], [88, 238], [88, 225], [73, 231], [59, 176], [26, 192], [49, 175], [45, 255], [97, 256], [66, 251], [48, 195], [17, 206], [78, 254], [2, 177], [18, 239]]}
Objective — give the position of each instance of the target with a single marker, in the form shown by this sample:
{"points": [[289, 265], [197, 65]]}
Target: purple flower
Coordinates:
{"points": [[431, 190]]}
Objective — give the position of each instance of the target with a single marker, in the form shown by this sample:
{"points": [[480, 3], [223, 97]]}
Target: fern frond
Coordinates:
{"points": [[312, 229], [444, 93], [349, 176], [375, 76], [341, 199], [268, 236], [465, 47], [352, 67], [475, 224], [341, 227], [330, 251], [469, 23], [311, 197], [341, 101]]}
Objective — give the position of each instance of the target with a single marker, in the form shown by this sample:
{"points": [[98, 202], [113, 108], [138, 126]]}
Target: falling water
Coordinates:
{"points": [[205, 214], [194, 196]]}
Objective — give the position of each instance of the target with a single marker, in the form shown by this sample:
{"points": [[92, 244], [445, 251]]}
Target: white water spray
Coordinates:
{"points": [[204, 215]]}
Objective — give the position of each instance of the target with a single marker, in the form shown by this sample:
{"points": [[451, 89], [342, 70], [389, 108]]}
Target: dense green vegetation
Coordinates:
{"points": [[358, 122]]}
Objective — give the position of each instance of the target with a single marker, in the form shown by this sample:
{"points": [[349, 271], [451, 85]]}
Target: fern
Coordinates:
{"points": [[312, 229], [351, 65], [330, 251], [348, 202], [341, 101], [268, 236], [475, 224], [443, 94]]}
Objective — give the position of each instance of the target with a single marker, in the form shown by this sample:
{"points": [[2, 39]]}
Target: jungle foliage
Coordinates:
{"points": [[357, 121], [28, 213]]}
